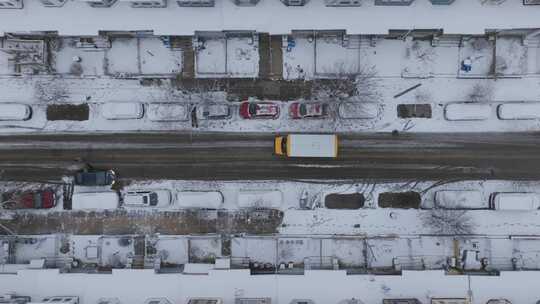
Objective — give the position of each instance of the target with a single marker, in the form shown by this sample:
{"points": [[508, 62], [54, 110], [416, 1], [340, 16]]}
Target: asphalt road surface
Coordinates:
{"points": [[241, 157]]}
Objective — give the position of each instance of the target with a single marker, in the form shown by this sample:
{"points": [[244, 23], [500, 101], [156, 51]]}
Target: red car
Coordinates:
{"points": [[308, 110], [259, 110], [39, 199]]}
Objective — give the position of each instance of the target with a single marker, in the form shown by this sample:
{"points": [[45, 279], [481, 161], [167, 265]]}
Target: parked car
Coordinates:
{"points": [[514, 201], [259, 110], [467, 111], [15, 111], [148, 198], [40, 199], [95, 178], [100, 200], [459, 199], [362, 110], [200, 199], [122, 110], [36, 199], [213, 111], [519, 110], [308, 110], [167, 112]]}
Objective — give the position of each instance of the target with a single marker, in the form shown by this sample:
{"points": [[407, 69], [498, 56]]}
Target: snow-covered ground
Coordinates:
{"points": [[38, 92], [306, 195], [303, 204]]}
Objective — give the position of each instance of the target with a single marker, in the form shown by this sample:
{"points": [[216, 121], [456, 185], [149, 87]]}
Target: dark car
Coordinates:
{"points": [[95, 178], [40, 199]]}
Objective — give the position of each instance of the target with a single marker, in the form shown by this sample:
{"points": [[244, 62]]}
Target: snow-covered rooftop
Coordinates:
{"points": [[78, 18], [134, 286]]}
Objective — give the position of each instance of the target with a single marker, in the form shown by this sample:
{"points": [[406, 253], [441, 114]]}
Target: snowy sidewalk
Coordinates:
{"points": [[389, 222], [437, 93]]}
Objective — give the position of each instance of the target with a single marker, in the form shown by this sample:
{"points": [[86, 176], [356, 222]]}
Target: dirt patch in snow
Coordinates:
{"points": [[147, 222], [403, 200], [76, 112]]}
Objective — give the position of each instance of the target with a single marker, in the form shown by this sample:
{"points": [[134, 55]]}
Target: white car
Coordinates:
{"points": [[167, 112], [122, 110], [148, 198], [359, 110], [213, 111], [15, 111]]}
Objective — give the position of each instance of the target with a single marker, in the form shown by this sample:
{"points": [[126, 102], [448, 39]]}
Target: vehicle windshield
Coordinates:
{"points": [[153, 199], [252, 108], [38, 201], [302, 109]]}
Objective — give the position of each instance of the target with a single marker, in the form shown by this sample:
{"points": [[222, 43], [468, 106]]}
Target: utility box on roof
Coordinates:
{"points": [[253, 301], [449, 301], [146, 3], [99, 3], [441, 2], [401, 301], [196, 3], [59, 299], [294, 2], [11, 4], [53, 3], [394, 2], [342, 3], [205, 301]]}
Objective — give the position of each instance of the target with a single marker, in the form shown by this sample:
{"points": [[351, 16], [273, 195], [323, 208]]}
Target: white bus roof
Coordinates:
{"points": [[312, 145]]}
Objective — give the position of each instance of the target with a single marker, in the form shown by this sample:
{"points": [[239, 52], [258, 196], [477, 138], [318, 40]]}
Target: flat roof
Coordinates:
{"points": [[321, 286], [272, 16], [312, 145]]}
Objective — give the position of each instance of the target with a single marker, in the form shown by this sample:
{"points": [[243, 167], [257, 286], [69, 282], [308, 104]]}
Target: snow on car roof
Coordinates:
{"points": [[14, 111]]}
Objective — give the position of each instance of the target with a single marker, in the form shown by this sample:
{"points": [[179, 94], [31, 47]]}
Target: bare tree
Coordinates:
{"points": [[51, 90], [358, 84], [481, 92], [448, 222]]}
